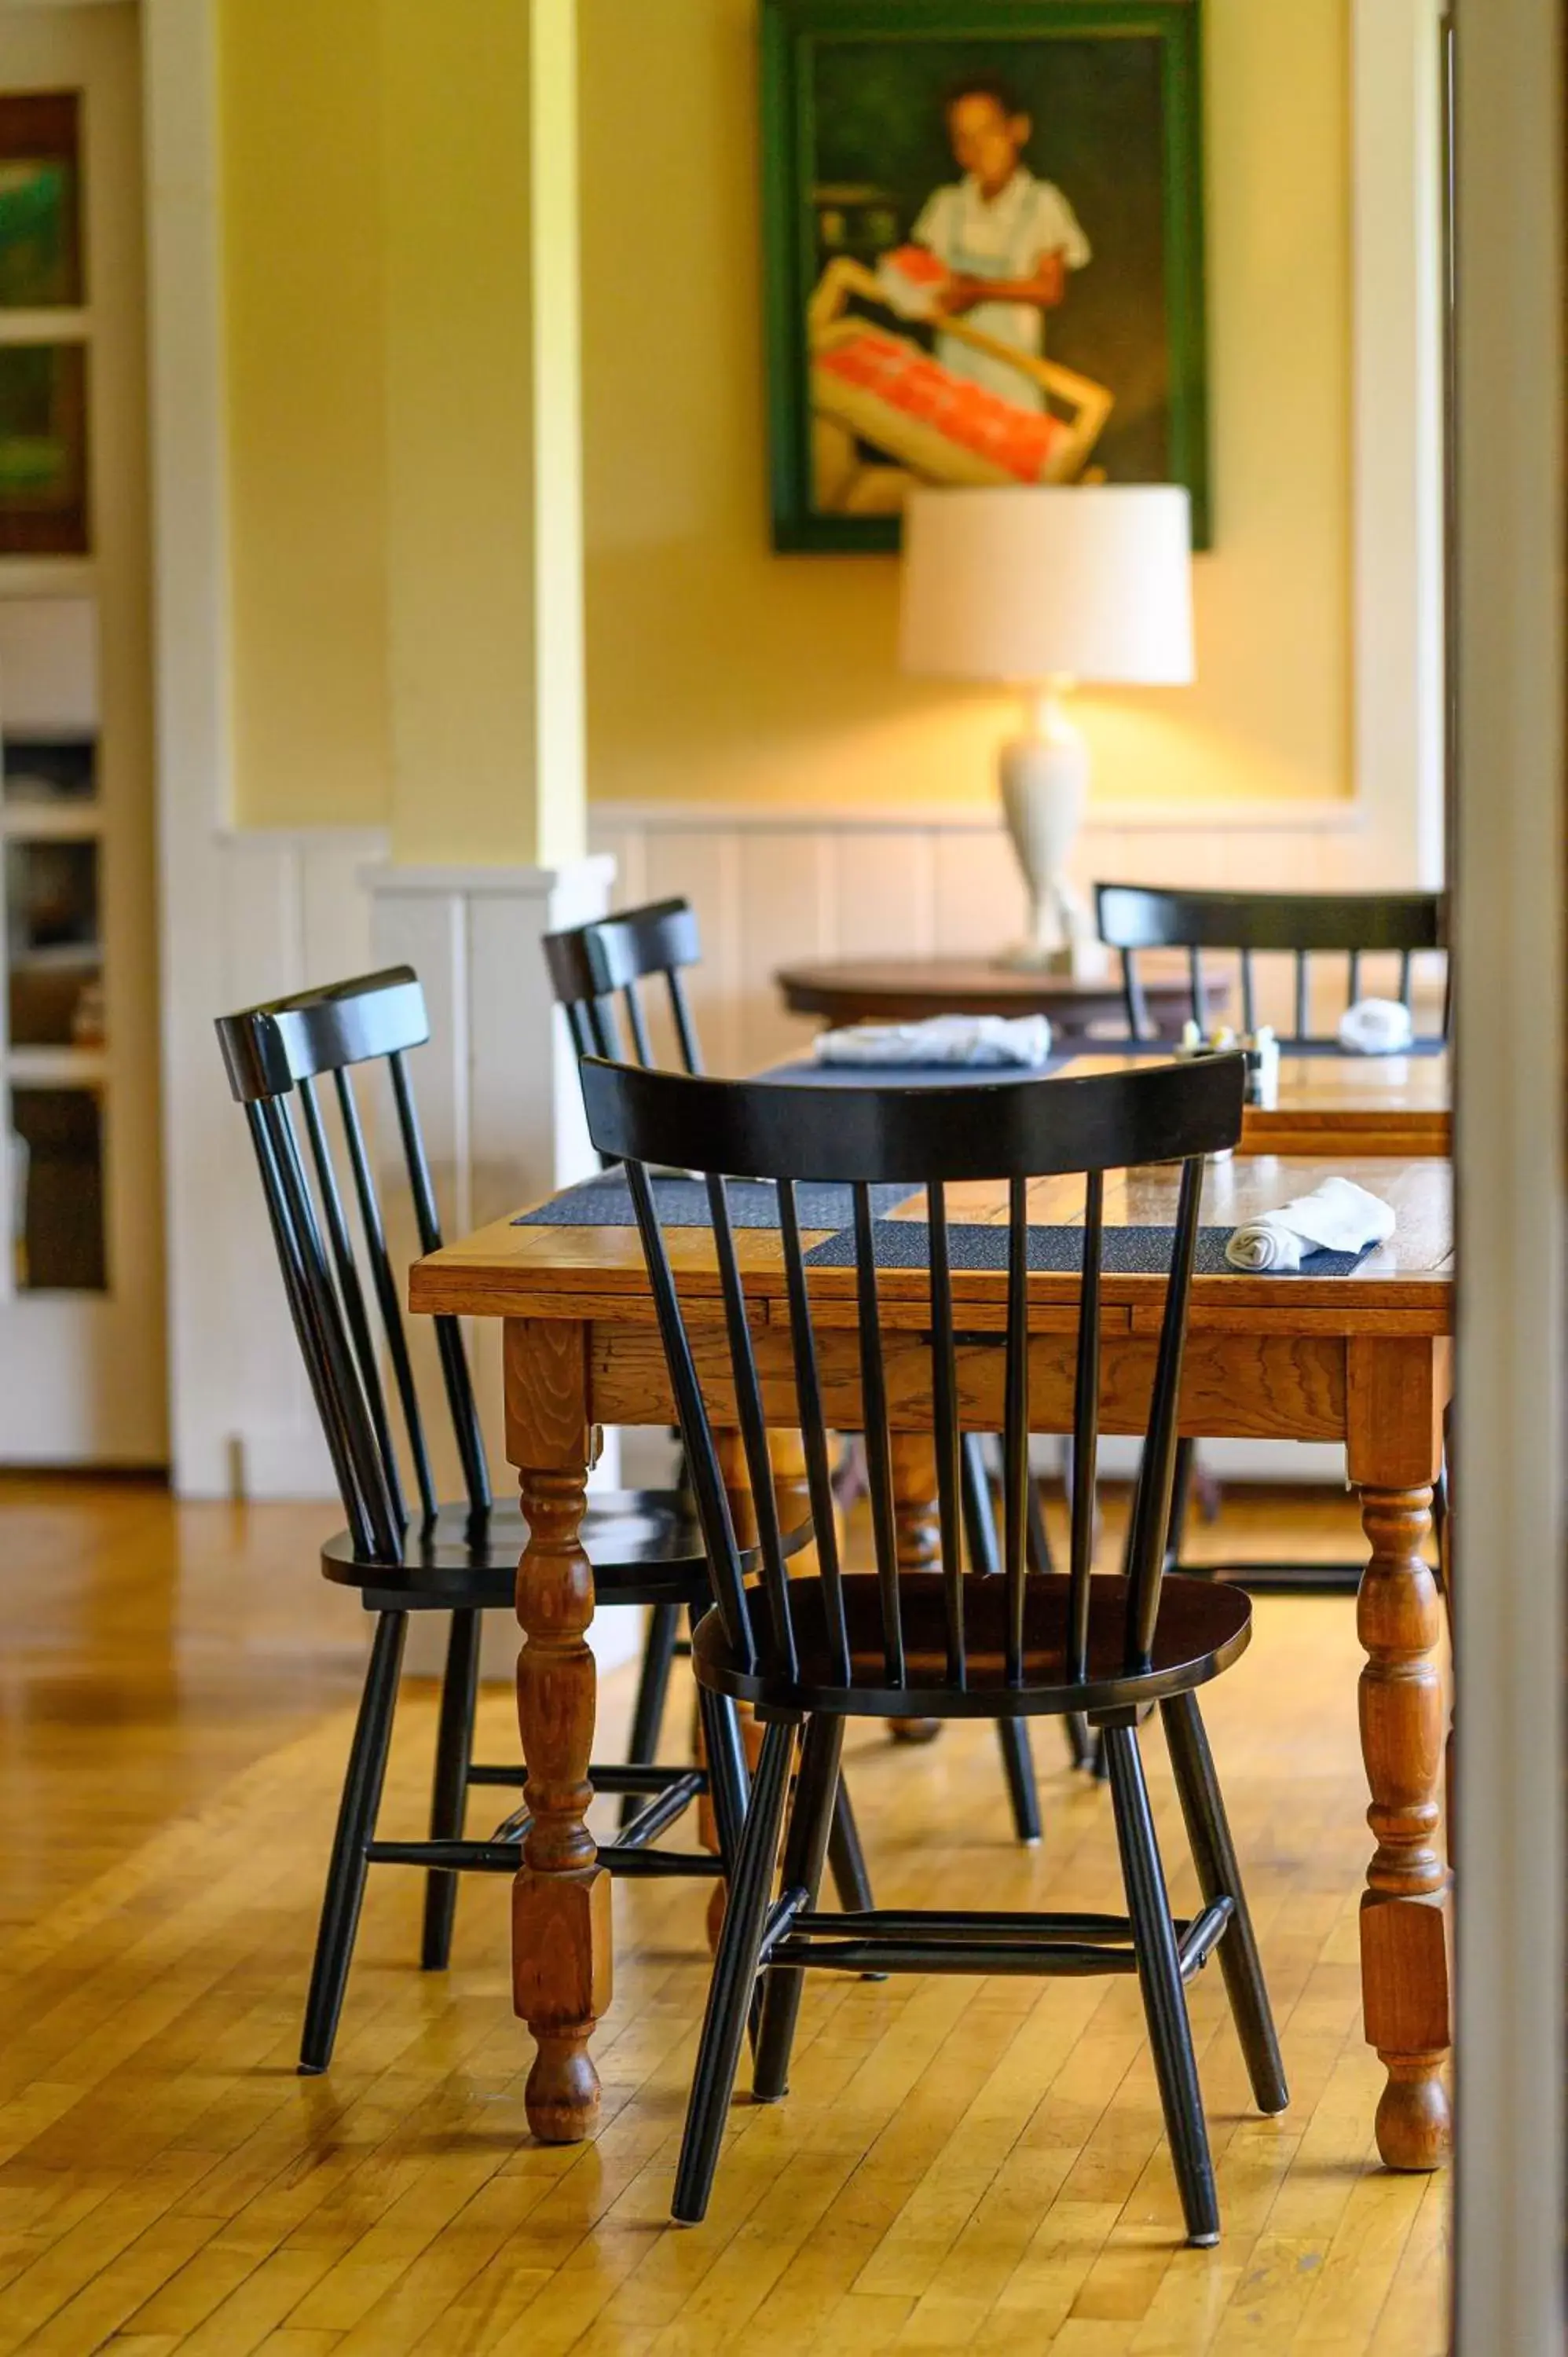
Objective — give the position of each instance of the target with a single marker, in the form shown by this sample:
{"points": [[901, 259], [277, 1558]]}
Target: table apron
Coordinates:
{"points": [[1250, 1386]]}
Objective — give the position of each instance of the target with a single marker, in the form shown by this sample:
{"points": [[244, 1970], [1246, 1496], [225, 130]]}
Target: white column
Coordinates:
{"points": [[1397, 428]]}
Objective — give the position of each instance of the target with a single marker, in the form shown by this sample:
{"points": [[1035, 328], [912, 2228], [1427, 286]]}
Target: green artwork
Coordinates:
{"points": [[983, 253], [43, 449], [40, 266]]}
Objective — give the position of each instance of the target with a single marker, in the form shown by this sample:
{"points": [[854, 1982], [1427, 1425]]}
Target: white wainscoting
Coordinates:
{"points": [[773, 888]]}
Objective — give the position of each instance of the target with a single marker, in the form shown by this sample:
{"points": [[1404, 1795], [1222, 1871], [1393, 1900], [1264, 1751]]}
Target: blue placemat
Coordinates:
{"points": [[683, 1203], [1127, 1252]]}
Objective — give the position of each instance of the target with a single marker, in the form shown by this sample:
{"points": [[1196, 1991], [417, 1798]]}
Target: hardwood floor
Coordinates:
{"points": [[959, 2163]]}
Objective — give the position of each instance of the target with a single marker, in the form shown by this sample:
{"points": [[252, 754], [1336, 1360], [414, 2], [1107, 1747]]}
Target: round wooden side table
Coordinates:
{"points": [[903, 990]]}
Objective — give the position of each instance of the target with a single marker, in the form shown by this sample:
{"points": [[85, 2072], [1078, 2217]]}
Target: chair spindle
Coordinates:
{"points": [[1156, 1473], [350, 1291], [1195, 982], [339, 1396], [685, 1029], [753, 1423], [372, 1227], [1016, 1425], [946, 1432], [878, 1439], [642, 1047], [1132, 993], [261, 1119], [703, 1471], [1085, 1431], [813, 1432]]}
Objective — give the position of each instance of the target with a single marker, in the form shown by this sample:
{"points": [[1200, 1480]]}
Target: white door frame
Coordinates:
{"points": [[83, 1369], [191, 688], [1510, 1522]]}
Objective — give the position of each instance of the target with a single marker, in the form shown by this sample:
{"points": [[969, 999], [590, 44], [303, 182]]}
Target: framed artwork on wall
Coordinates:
{"points": [[983, 253]]}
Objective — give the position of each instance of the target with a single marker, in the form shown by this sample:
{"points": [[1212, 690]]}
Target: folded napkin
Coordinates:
{"points": [[1376, 1026], [971, 1040], [1338, 1216]]}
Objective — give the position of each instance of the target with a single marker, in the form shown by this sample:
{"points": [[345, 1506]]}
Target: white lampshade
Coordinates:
{"points": [[1089, 582]]}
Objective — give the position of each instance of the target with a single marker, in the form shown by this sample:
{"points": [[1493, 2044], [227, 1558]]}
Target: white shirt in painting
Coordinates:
{"points": [[1004, 236]]}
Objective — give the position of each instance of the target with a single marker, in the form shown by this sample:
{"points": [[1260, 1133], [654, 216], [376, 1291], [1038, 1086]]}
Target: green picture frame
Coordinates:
{"points": [[865, 125]]}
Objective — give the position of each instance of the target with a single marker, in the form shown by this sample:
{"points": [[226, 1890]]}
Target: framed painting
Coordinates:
{"points": [[983, 253]]}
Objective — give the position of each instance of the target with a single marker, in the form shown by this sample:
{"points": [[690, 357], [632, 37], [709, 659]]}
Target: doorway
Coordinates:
{"points": [[82, 1371]]}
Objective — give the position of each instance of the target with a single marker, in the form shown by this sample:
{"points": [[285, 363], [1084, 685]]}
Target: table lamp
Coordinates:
{"points": [[1041, 588]]}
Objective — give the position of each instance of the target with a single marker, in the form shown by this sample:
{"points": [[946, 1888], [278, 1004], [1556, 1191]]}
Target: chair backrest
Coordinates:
{"points": [[925, 1138], [593, 965], [1135, 917], [279, 1058]]}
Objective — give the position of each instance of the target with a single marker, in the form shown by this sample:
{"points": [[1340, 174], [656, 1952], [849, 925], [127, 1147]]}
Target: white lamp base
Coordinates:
{"points": [[1043, 778]]}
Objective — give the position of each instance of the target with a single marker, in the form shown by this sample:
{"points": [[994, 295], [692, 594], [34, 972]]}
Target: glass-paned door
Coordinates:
{"points": [[82, 1377]]}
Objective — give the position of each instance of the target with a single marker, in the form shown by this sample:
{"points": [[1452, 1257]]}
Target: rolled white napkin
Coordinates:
{"points": [[1338, 1216], [1376, 1026], [968, 1040]]}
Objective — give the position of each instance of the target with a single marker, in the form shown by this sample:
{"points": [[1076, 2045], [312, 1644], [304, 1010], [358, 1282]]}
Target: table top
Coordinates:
{"points": [[1348, 1105], [909, 988], [594, 1274]]}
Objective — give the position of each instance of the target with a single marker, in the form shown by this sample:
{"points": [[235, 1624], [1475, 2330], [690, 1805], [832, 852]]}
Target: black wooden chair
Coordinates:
{"points": [[1242, 925], [1300, 925], [597, 970], [809, 1655], [424, 1555]]}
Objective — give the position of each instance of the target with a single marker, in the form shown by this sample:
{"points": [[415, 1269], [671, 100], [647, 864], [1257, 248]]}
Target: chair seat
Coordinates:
{"points": [[1203, 1627], [644, 1545]]}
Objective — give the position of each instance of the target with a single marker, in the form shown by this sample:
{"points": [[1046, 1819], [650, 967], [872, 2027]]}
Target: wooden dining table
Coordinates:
{"points": [[1328, 1104], [1362, 1359]]}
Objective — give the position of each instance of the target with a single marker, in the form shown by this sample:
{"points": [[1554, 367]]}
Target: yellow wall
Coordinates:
{"points": [[403, 450], [301, 191], [715, 670], [719, 671]]}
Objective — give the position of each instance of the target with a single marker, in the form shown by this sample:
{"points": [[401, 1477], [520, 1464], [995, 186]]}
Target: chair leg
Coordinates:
{"points": [[733, 1978], [817, 1787], [449, 1798], [1018, 1767], [356, 1826], [652, 1689], [1159, 1976], [1218, 1876], [846, 1856]]}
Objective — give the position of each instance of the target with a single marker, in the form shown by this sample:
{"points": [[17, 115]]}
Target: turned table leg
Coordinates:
{"points": [[562, 1938], [919, 1540], [1404, 1927]]}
